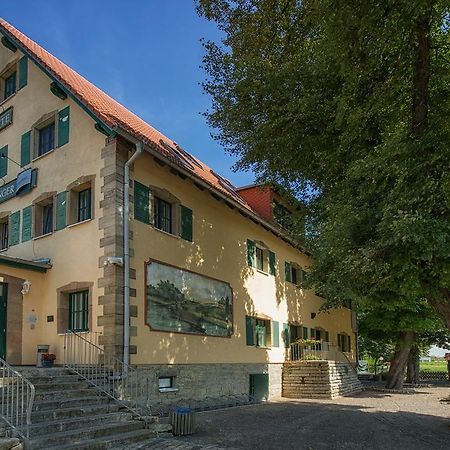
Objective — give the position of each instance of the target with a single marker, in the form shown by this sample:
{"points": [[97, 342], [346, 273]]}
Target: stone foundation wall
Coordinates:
{"points": [[198, 382], [318, 379]]}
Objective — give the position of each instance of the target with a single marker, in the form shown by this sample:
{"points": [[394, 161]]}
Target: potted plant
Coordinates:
{"points": [[48, 359]]}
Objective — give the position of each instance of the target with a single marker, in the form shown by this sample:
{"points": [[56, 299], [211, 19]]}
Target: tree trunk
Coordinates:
{"points": [[412, 370], [398, 363], [442, 306], [421, 73]]}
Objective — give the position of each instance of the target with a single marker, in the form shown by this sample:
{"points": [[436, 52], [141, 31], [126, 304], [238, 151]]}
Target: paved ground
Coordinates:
{"points": [[369, 420]]}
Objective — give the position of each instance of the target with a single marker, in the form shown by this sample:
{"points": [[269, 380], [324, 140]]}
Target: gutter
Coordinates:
{"points": [[126, 254]]}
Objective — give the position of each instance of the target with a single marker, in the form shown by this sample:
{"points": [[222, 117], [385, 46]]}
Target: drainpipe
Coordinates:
{"points": [[126, 255]]}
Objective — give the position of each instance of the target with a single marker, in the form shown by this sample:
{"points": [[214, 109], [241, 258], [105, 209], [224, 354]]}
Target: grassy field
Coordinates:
{"points": [[434, 366]]}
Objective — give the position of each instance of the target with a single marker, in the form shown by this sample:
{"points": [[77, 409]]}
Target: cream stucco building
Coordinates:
{"points": [[214, 283]]}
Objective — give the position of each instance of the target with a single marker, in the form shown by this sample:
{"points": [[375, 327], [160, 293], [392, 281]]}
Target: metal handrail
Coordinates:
{"points": [[17, 395], [106, 373], [308, 350]]}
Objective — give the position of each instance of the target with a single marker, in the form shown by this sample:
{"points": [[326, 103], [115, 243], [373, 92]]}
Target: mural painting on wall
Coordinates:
{"points": [[186, 302]]}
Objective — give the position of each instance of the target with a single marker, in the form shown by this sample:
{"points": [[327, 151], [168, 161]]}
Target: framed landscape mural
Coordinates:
{"points": [[181, 301]]}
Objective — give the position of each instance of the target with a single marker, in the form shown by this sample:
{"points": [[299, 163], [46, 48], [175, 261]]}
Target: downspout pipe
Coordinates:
{"points": [[126, 254]]}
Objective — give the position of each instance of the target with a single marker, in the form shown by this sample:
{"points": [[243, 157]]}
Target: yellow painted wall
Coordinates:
{"points": [[74, 251], [219, 250], [219, 247]]}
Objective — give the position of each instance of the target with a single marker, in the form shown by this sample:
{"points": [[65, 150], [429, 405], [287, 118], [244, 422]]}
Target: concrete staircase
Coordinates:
{"points": [[69, 414]]}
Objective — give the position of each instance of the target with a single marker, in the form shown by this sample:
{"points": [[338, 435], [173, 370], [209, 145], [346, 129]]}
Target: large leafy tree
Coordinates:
{"points": [[347, 103]]}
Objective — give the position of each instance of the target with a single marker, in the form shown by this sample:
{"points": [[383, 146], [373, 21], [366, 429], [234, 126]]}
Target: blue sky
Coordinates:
{"points": [[144, 53]]}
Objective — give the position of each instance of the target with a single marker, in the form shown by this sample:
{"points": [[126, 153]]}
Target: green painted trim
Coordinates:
{"points": [[8, 44], [51, 76], [22, 265]]}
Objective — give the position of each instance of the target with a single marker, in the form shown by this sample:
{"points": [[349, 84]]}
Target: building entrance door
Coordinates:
{"points": [[3, 308]]}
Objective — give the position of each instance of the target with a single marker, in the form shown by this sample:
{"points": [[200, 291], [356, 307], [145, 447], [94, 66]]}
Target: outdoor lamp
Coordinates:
{"points": [[26, 285]]}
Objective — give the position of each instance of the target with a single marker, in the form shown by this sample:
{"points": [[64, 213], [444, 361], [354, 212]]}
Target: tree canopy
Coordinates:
{"points": [[347, 104]]}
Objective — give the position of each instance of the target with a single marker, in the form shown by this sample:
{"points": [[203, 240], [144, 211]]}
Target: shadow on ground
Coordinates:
{"points": [[369, 420]]}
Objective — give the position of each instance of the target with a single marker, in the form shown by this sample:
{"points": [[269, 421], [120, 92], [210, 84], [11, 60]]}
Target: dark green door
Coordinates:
{"points": [[259, 386], [3, 300]]}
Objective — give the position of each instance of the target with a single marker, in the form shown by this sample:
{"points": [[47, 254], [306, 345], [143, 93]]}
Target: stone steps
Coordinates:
{"points": [[115, 442], [51, 404], [83, 434], [77, 411], [76, 423], [70, 414]]}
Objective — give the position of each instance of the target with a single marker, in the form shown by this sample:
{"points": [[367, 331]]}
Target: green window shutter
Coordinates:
{"points": [[250, 330], [288, 271], [349, 344], [141, 202], [27, 221], [14, 233], [186, 223], [25, 149], [271, 263], [63, 126], [286, 335], [304, 278], [23, 72], [61, 210], [251, 253], [327, 336], [275, 334], [313, 333], [3, 161]]}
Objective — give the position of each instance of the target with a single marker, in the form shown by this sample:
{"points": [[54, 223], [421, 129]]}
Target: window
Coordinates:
{"points": [[47, 219], [46, 140], [4, 234], [163, 215], [44, 216], [294, 274], [10, 86], [259, 258], [84, 205], [258, 332], [166, 384], [80, 199], [344, 342], [282, 216], [78, 311]]}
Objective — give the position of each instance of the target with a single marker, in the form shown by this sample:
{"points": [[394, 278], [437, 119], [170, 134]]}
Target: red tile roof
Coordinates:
{"points": [[113, 114]]}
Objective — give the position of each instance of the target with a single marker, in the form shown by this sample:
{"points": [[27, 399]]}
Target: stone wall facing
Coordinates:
{"points": [[199, 382], [318, 379]]}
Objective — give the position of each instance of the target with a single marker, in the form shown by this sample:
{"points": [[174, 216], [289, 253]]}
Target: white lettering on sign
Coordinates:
{"points": [[6, 118]]}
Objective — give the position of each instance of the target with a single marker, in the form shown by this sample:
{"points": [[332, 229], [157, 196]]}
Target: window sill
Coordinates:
{"points": [[2, 250], [163, 390], [262, 272], [6, 100], [167, 233], [78, 223], [42, 236], [43, 155]]}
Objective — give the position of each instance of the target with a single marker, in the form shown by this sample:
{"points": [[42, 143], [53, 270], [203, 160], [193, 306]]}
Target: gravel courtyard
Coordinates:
{"points": [[368, 420]]}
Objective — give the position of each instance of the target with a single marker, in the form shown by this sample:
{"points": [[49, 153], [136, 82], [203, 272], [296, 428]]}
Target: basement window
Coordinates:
{"points": [[167, 384]]}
